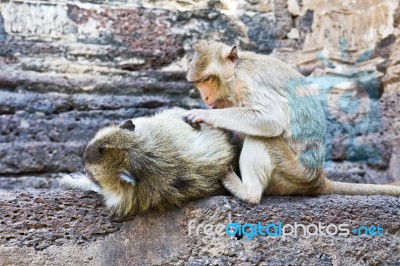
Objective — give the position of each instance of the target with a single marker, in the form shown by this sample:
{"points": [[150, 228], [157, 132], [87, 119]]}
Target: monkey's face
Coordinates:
{"points": [[212, 72], [106, 158], [210, 91]]}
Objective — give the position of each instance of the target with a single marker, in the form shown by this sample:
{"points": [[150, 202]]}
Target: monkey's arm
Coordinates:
{"points": [[242, 119], [81, 182]]}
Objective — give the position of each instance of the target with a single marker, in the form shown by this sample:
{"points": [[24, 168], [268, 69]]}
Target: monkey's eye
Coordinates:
{"points": [[101, 149], [207, 79]]}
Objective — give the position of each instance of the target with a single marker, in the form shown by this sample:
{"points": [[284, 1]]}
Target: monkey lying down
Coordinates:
{"points": [[154, 163], [159, 162]]}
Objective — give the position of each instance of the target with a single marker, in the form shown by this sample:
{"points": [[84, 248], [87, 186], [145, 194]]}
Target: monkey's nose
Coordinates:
{"points": [[127, 124]]}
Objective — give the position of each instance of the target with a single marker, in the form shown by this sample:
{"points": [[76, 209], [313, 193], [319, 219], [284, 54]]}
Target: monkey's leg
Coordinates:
{"points": [[256, 169]]}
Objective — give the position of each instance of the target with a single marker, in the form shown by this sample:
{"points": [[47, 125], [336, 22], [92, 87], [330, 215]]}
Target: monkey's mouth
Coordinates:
{"points": [[90, 175], [215, 105]]}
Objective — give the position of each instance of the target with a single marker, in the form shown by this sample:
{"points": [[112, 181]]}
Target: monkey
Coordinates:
{"points": [[283, 124], [154, 163]]}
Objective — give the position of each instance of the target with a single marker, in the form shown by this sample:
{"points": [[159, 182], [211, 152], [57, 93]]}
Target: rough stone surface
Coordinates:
{"points": [[71, 228], [42, 133], [68, 68]]}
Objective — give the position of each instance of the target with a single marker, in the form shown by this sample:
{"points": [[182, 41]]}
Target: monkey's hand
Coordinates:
{"points": [[77, 181], [197, 116]]}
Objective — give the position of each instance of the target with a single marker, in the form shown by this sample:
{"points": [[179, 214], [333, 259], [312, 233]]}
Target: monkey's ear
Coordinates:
{"points": [[233, 55], [127, 124], [127, 177]]}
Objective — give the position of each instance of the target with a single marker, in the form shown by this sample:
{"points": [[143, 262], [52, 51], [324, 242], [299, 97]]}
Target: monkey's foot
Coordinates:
{"points": [[234, 185], [231, 181]]}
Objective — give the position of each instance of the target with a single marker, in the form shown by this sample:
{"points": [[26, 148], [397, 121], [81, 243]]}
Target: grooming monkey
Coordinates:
{"points": [[283, 125], [154, 163]]}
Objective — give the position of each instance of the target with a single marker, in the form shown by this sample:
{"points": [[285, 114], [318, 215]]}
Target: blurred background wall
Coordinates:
{"points": [[68, 68]]}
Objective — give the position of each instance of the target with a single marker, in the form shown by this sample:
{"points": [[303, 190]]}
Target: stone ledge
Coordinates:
{"points": [[67, 228]]}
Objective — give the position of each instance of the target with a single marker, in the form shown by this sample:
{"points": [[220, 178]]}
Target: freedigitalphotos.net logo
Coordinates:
{"points": [[251, 230]]}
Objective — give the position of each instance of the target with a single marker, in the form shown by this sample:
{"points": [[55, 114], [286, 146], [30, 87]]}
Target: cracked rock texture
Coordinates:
{"points": [[72, 228], [68, 68], [71, 67]]}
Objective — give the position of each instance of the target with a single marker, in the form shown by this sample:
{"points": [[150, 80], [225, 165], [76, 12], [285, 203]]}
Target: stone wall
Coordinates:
{"points": [[68, 68], [72, 228]]}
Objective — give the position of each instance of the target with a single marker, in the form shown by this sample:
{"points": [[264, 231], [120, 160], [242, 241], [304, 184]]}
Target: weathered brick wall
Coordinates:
{"points": [[72, 228], [68, 68]]}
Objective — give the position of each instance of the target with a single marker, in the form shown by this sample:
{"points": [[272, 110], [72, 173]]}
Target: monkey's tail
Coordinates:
{"points": [[343, 188]]}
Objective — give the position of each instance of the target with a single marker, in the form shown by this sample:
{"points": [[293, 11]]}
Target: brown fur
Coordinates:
{"points": [[283, 126], [169, 161]]}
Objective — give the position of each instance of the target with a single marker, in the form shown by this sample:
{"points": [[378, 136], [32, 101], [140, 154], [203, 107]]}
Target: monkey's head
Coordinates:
{"points": [[212, 72], [107, 160], [107, 154]]}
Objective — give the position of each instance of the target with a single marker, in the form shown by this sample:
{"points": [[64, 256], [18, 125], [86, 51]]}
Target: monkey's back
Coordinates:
{"points": [[179, 163]]}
